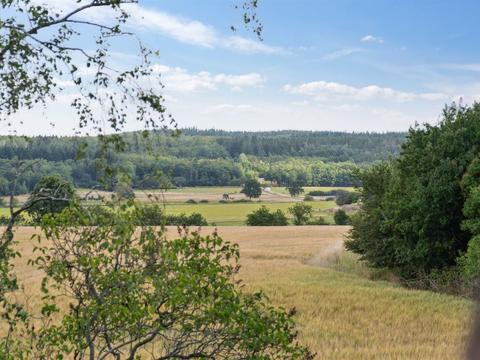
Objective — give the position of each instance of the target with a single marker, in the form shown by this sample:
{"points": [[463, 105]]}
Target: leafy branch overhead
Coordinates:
{"points": [[38, 56]]}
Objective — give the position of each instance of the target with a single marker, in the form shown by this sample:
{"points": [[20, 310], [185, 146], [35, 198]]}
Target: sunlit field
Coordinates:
{"points": [[236, 213], [340, 315]]}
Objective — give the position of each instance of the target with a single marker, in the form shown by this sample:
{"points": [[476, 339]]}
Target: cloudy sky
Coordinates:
{"points": [[323, 65]]}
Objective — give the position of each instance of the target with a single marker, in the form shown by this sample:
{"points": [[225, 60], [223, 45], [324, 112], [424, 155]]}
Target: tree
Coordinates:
{"points": [[295, 188], [263, 217], [51, 195], [131, 291], [341, 218], [252, 188], [413, 209], [302, 213]]}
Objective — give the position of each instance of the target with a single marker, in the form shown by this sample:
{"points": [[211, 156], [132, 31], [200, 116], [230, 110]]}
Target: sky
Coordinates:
{"points": [[343, 65]]}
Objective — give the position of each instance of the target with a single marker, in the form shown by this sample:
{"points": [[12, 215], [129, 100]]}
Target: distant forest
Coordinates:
{"points": [[200, 157]]}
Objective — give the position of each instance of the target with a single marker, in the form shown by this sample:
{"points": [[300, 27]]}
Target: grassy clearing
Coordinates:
{"points": [[283, 190], [236, 213], [340, 315]]}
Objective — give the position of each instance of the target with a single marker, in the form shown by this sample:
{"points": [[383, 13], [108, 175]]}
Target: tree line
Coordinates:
{"points": [[196, 158]]}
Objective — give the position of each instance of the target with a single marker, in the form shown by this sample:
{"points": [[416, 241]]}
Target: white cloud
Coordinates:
{"points": [[241, 44], [341, 53], [323, 90], [184, 30], [372, 39], [180, 80], [229, 108]]}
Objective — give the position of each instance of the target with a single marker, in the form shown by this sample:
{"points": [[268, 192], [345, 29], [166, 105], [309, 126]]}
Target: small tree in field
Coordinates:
{"points": [[302, 213], [252, 189], [295, 188], [133, 291]]}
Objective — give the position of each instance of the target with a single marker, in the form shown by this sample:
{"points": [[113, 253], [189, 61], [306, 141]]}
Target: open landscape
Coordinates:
{"points": [[239, 180], [341, 313]]}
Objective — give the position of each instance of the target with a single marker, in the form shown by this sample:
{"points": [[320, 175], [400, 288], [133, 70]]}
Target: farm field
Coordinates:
{"points": [[340, 315], [213, 193], [236, 213]]}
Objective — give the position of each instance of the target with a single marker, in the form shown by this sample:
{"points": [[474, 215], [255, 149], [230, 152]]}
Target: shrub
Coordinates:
{"points": [[318, 221], [194, 219], [302, 213], [191, 201], [341, 218], [263, 217], [203, 201], [308, 198], [346, 197]]}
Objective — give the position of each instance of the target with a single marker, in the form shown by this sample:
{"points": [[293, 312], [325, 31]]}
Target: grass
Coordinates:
{"points": [[236, 213], [307, 189], [340, 315]]}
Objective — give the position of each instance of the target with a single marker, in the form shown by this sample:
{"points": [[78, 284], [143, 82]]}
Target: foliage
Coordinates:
{"points": [[470, 261], [124, 192], [263, 217], [252, 188], [318, 221], [413, 208], [132, 288], [194, 219], [195, 158], [343, 197], [308, 198], [302, 213], [341, 218], [294, 188], [51, 195]]}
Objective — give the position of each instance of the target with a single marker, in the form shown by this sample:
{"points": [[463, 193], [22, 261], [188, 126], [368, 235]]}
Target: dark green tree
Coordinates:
{"points": [[252, 188], [413, 209], [341, 218], [295, 188]]}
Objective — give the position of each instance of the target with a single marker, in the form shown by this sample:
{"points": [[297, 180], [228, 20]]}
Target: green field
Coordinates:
{"points": [[236, 213], [283, 190]]}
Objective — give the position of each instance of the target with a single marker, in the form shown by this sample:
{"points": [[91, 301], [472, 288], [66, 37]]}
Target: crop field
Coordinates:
{"points": [[340, 315], [236, 213]]}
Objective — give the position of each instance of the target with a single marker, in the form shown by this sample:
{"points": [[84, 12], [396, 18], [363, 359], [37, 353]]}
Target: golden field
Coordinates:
{"points": [[340, 315]]}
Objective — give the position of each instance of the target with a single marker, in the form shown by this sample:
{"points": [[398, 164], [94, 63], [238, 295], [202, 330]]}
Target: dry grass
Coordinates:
{"points": [[340, 315]]}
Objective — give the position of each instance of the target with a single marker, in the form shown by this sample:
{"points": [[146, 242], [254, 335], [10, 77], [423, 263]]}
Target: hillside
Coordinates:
{"points": [[201, 157]]}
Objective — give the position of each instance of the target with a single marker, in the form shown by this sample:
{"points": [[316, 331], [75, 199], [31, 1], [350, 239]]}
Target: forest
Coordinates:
{"points": [[198, 158]]}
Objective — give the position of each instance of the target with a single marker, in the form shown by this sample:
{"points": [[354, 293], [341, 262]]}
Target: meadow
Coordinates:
{"points": [[340, 315], [236, 213]]}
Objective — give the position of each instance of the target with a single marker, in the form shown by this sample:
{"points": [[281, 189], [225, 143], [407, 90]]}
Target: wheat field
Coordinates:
{"points": [[340, 315]]}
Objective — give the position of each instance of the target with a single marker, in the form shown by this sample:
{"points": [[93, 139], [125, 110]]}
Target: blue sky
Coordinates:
{"points": [[323, 65]]}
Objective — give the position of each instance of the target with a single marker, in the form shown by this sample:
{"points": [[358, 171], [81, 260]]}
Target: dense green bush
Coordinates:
{"points": [[414, 215], [194, 219], [308, 198], [341, 218], [263, 217], [346, 197]]}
